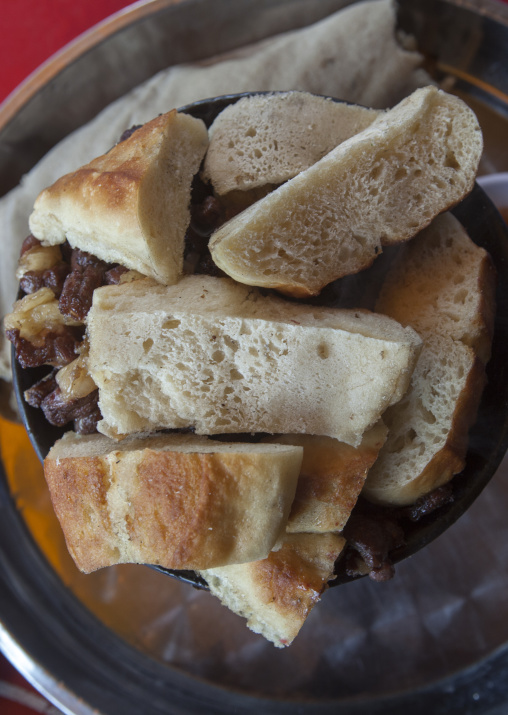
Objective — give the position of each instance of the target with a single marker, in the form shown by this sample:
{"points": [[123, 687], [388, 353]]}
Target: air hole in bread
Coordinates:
{"points": [[362, 240], [218, 356], [251, 132], [108, 305], [397, 445], [235, 374], [460, 296], [170, 324], [411, 436], [222, 422], [147, 345], [451, 161], [427, 415], [230, 343], [323, 351]]}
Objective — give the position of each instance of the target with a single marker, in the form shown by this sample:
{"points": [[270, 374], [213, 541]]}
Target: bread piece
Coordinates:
{"points": [[179, 501], [130, 206], [428, 429], [444, 285], [269, 138], [380, 187], [331, 479], [222, 358], [277, 594]]}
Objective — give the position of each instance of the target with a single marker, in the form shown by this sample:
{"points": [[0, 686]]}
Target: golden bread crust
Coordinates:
{"points": [[276, 594], [331, 478], [192, 508], [79, 495], [131, 205]]}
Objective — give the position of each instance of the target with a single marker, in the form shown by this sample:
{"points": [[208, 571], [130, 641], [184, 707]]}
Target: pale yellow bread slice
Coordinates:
{"points": [[277, 594], [217, 356], [428, 429], [178, 501], [443, 284], [378, 188], [131, 205], [269, 138], [331, 478]]}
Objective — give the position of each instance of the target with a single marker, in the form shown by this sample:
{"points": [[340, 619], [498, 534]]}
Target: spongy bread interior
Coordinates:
{"points": [[379, 187], [443, 285], [221, 357], [268, 139]]}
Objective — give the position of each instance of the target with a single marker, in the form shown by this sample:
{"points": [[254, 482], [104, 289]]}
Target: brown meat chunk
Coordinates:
{"points": [[60, 411], [57, 348]]}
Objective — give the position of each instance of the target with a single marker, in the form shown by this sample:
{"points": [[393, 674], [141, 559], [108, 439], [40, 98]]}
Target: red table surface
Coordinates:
{"points": [[30, 32]]}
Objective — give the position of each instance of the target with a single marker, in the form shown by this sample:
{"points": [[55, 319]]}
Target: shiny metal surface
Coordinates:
{"points": [[40, 678], [466, 42]]}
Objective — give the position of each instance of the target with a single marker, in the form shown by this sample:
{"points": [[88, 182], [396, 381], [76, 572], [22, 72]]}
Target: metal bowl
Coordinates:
{"points": [[48, 634]]}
